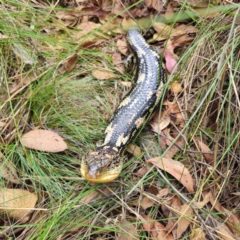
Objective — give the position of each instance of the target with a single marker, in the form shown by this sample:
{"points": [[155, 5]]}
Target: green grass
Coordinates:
{"points": [[78, 107]]}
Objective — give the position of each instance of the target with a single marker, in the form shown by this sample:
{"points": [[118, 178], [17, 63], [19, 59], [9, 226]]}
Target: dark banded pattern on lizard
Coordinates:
{"points": [[105, 163]]}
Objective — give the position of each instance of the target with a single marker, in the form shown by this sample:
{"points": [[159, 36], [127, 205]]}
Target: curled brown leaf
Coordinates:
{"points": [[176, 169]]}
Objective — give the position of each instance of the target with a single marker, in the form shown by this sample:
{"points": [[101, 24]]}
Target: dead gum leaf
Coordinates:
{"points": [[155, 4], [163, 31], [169, 11], [145, 203], [170, 209], [9, 172], [160, 123], [142, 171], [2, 124], [117, 62], [205, 200], [69, 64], [122, 46], [126, 84], [175, 148], [155, 229], [184, 220], [232, 221], [17, 203], [175, 113], [103, 75], [134, 149], [128, 231], [117, 7], [176, 169], [89, 198], [209, 157], [23, 80], [2, 36], [197, 234], [44, 140], [163, 192], [224, 232], [169, 138]]}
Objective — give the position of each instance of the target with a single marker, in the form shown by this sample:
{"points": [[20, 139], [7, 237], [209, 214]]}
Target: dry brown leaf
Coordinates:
{"points": [[24, 53], [199, 3], [171, 107], [224, 232], [128, 23], [180, 41], [230, 218], [205, 200], [23, 80], [187, 29], [163, 192], [90, 11], [134, 149], [117, 7], [2, 124], [103, 75], [158, 124], [126, 84], [140, 11], [175, 113], [176, 169], [178, 35], [155, 4], [197, 234], [175, 148], [68, 17], [185, 220], [236, 193], [84, 29], [163, 31], [142, 171], [44, 140], [169, 138], [155, 229], [69, 64], [128, 231], [111, 28], [146, 203], [117, 62], [170, 55], [2, 36], [122, 46], [89, 197], [204, 148], [164, 122], [211, 15], [17, 203], [162, 143], [90, 44], [94, 196], [137, 11], [8, 171], [87, 27], [169, 209], [169, 11]]}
